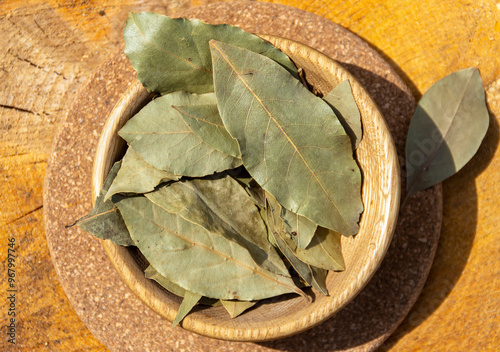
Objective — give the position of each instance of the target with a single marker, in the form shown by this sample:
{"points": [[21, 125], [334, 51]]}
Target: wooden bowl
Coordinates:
{"points": [[279, 317]]}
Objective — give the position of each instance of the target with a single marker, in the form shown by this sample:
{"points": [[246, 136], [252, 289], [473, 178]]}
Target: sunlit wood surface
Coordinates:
{"points": [[48, 48]]}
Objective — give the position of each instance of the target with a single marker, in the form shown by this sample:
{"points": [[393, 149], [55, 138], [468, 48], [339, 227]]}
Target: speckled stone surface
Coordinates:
{"points": [[119, 319]]}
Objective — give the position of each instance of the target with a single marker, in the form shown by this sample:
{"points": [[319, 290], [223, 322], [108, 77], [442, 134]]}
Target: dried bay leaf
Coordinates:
{"points": [[189, 301], [324, 251], [161, 137], [256, 193], [137, 176], [152, 274], [172, 54], [343, 104], [205, 122], [270, 237], [196, 259], [105, 221], [314, 277], [300, 228], [290, 140], [235, 308], [446, 129], [221, 205]]}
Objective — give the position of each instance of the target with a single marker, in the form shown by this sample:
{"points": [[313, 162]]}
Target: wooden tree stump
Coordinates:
{"points": [[50, 47]]}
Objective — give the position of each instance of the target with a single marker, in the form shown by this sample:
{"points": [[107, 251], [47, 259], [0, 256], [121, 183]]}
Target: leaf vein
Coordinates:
{"points": [[282, 131]]}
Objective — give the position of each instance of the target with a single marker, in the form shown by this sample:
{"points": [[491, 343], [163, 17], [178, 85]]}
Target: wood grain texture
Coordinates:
{"points": [[49, 47], [423, 39], [362, 253], [45, 319]]}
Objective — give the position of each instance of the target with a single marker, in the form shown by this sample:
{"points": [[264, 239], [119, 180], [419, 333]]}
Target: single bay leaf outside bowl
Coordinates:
{"points": [[278, 317]]}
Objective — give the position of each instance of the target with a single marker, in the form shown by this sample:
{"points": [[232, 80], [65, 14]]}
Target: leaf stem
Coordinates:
{"points": [[405, 200]]}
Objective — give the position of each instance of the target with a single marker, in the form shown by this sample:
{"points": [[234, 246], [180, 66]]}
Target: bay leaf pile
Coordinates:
{"points": [[237, 182]]}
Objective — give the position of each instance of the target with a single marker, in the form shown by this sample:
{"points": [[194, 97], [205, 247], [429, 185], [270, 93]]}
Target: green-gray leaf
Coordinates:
{"points": [[162, 138], [254, 190], [315, 277], [300, 228], [152, 274], [205, 121], [105, 221], [172, 54], [189, 301], [137, 176], [222, 206], [270, 237], [196, 259], [446, 129], [235, 308], [324, 251], [290, 140], [343, 104]]}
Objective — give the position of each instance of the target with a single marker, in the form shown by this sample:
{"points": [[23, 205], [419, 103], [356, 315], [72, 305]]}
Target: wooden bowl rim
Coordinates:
{"points": [[151, 295]]}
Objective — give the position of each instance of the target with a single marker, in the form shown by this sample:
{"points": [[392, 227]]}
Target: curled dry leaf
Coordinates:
{"points": [[105, 221], [313, 276]]}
